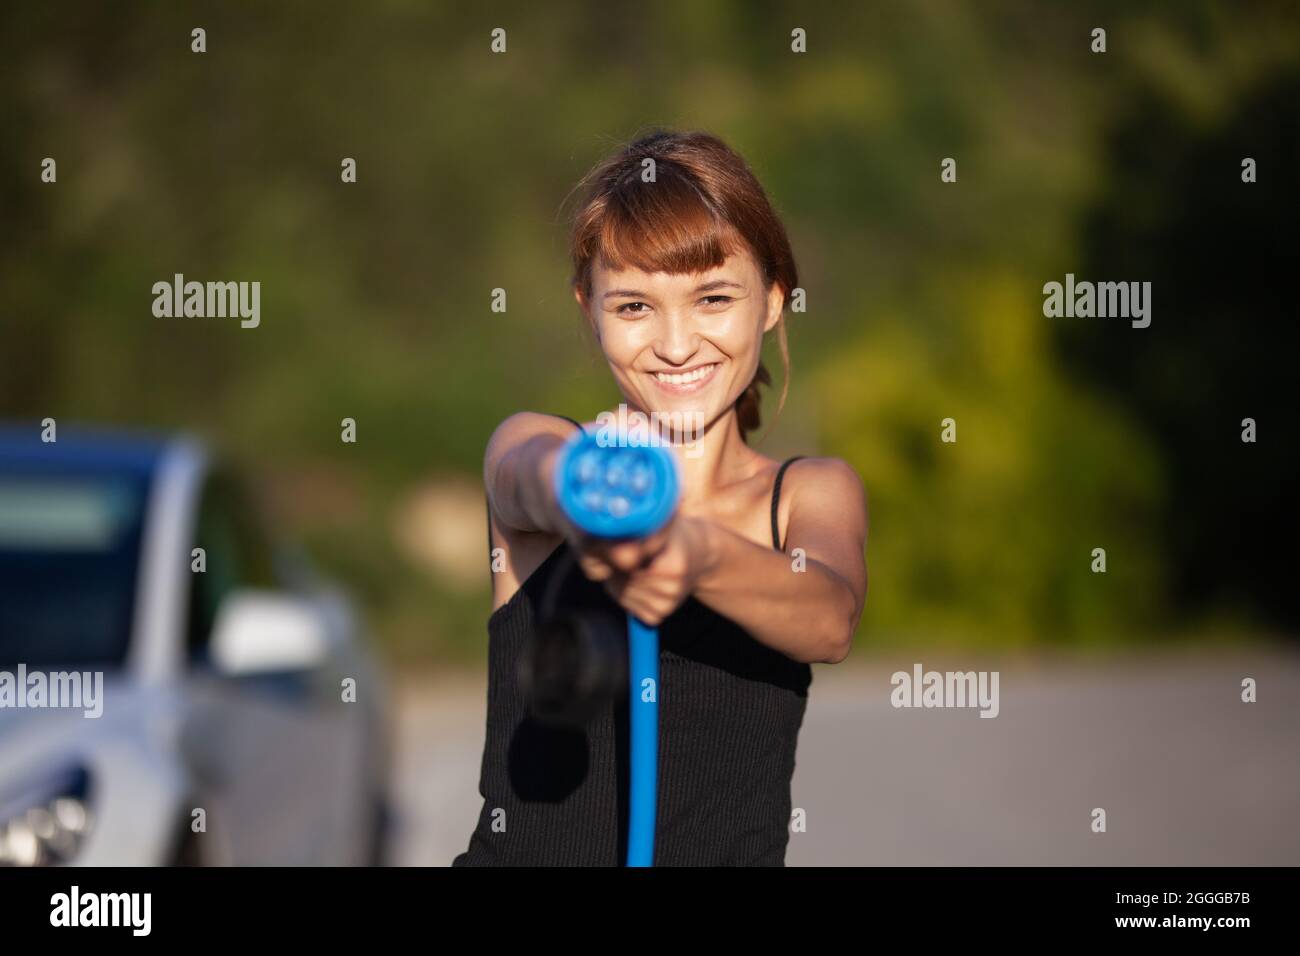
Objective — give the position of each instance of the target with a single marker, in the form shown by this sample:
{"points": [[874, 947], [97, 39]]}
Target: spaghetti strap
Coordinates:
{"points": [[776, 500], [576, 424]]}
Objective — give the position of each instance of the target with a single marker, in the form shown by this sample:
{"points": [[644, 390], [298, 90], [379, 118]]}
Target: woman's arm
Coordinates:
{"points": [[517, 471], [805, 606]]}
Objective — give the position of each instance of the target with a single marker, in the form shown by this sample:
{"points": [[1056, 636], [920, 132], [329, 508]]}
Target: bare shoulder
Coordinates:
{"points": [[519, 428], [829, 485], [825, 475]]}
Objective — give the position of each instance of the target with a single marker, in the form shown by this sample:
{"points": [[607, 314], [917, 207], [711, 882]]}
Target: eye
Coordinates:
{"points": [[716, 300], [627, 308]]}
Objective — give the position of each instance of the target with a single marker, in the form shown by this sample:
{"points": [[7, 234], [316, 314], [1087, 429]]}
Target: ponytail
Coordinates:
{"points": [[748, 410], [748, 413]]}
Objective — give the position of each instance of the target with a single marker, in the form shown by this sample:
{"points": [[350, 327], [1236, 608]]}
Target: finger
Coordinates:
{"points": [[626, 555], [654, 544], [649, 614], [594, 568], [643, 603]]}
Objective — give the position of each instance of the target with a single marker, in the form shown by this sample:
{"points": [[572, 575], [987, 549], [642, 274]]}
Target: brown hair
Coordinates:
{"points": [[704, 204]]}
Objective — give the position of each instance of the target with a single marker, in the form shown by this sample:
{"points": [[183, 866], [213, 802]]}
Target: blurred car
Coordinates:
{"points": [[226, 735]]}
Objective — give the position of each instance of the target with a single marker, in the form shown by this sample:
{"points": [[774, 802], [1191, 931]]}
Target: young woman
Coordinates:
{"points": [[679, 275]]}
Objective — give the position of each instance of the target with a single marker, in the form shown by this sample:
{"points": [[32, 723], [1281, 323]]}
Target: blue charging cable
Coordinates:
{"points": [[617, 490]]}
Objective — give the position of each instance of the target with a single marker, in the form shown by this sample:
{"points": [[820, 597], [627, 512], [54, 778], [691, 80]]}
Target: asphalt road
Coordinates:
{"points": [[1186, 772]]}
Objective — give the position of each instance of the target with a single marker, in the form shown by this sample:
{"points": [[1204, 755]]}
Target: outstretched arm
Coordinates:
{"points": [[804, 602], [517, 471]]}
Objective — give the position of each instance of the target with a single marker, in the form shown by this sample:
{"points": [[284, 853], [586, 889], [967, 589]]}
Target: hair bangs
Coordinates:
{"points": [[665, 226]]}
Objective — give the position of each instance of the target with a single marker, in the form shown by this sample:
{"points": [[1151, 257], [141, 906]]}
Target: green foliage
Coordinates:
{"points": [[923, 297], [989, 537]]}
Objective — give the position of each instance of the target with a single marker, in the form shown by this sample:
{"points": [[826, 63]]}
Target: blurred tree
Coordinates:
{"points": [[923, 295], [1223, 343]]}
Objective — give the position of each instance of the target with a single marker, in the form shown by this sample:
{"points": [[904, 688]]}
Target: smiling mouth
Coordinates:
{"points": [[680, 383]]}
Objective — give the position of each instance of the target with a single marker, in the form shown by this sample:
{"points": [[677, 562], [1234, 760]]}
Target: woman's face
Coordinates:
{"points": [[687, 343]]}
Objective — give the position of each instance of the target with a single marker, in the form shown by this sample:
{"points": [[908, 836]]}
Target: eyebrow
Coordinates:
{"points": [[706, 287]]}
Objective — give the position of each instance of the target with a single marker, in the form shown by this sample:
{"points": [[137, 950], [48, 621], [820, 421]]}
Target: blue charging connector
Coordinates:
{"points": [[619, 490]]}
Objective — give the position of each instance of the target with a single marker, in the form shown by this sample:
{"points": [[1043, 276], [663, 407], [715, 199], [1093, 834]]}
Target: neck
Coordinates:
{"points": [[713, 459]]}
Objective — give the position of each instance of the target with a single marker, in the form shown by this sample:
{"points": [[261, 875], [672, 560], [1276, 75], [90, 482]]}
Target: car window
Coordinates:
{"points": [[70, 541], [236, 554]]}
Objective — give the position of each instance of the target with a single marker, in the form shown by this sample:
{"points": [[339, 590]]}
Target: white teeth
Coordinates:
{"points": [[686, 378]]}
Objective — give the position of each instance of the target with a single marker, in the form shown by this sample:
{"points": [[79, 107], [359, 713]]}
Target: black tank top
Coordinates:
{"points": [[730, 710]]}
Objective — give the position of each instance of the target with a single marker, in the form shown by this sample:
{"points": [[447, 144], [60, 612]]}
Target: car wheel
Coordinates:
{"points": [[380, 827], [188, 852]]}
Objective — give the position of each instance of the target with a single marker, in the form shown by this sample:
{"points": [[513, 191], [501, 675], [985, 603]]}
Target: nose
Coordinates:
{"points": [[676, 339]]}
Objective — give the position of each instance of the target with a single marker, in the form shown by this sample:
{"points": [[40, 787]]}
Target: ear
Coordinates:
{"points": [[775, 306]]}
